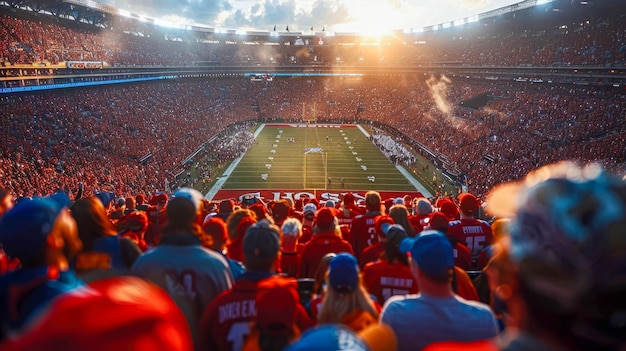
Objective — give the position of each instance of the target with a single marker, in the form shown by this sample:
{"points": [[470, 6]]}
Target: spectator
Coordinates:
{"points": [[362, 231], [42, 234], [221, 331], [436, 314], [279, 316], [325, 240], [348, 210], [374, 252], [134, 227], [6, 201], [140, 315], [215, 228], [192, 275], [338, 337], [391, 275], [400, 215], [226, 208], [474, 233], [308, 221], [462, 256], [104, 253], [290, 249], [157, 219], [280, 211], [422, 208], [346, 300], [562, 273], [319, 285], [237, 225], [140, 201]]}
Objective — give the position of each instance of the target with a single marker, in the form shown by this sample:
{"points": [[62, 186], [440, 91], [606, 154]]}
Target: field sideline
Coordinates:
{"points": [[315, 157]]}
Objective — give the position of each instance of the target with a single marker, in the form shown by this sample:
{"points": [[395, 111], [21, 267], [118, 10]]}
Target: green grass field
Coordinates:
{"points": [[314, 155]]}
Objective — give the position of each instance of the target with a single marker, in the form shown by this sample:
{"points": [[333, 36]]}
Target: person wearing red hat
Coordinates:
{"points": [[278, 315], [225, 322], [326, 239], [240, 222], [348, 210], [363, 229], [215, 228], [474, 233], [462, 255]]}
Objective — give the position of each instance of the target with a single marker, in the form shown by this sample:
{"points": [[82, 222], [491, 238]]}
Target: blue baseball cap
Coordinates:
{"points": [[328, 337], [105, 197], [432, 252], [343, 273], [24, 228]]}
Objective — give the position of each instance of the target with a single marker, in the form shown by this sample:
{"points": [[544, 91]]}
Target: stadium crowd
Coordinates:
{"points": [[286, 275], [35, 39], [63, 139]]}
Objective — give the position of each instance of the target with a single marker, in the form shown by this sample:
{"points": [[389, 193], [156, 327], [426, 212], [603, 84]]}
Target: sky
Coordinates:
{"points": [[347, 16]]}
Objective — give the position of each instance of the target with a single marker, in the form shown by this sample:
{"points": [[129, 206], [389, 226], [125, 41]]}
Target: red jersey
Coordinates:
{"points": [[363, 232], [463, 257], [418, 222], [225, 323], [383, 280], [474, 233], [372, 253], [235, 250], [156, 222], [290, 263], [464, 286], [346, 215], [319, 245]]}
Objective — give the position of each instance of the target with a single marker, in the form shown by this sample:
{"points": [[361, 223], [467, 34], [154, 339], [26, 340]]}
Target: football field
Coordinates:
{"points": [[317, 157]]}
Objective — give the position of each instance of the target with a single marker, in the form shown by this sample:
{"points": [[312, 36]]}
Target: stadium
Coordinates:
{"points": [[96, 99]]}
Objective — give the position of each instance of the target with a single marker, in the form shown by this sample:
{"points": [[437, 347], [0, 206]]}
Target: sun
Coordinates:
{"points": [[373, 19]]}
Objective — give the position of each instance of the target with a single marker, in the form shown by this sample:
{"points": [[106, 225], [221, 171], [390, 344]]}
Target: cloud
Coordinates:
{"points": [[300, 15], [288, 13], [198, 11]]}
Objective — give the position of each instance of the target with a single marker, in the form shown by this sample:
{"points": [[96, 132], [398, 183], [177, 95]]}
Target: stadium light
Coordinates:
{"points": [[541, 2]]}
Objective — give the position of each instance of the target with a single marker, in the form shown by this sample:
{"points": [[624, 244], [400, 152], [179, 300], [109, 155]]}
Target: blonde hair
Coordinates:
{"points": [[336, 306]]}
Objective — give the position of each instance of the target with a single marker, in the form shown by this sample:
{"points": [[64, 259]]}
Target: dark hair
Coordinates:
{"points": [[274, 342], [92, 221], [392, 251], [182, 215]]}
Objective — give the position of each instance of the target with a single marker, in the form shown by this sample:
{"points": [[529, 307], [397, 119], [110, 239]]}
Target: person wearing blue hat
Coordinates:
{"points": [[436, 313], [329, 337], [346, 301], [42, 234]]}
